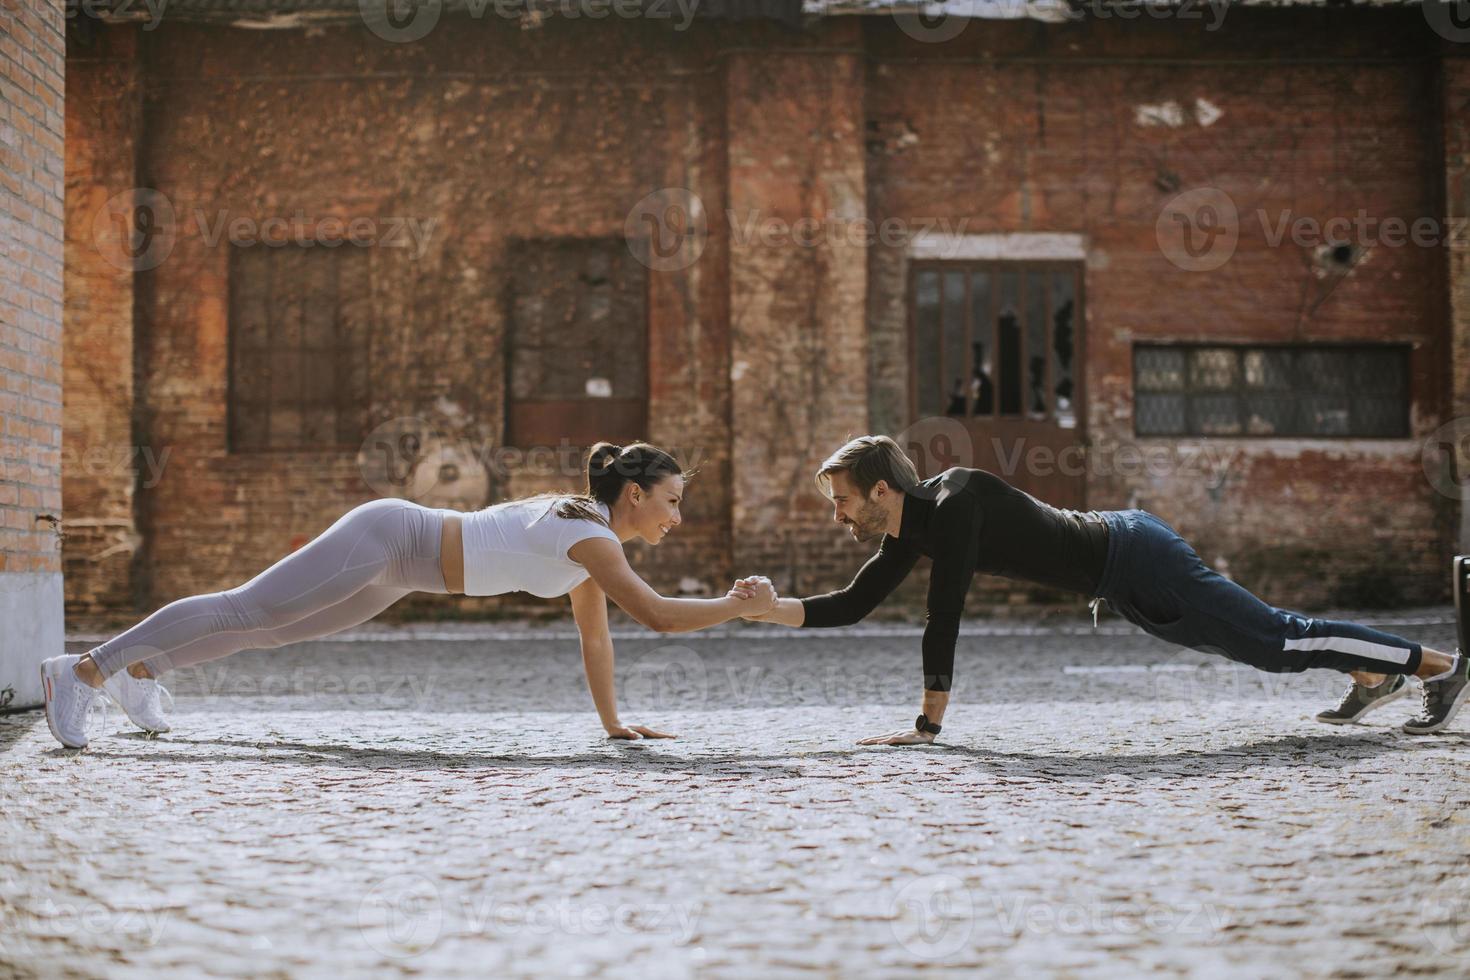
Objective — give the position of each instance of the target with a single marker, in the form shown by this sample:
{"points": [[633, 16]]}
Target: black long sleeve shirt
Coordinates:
{"points": [[968, 521]]}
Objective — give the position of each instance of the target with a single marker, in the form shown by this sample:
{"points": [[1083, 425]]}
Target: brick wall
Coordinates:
{"points": [[1025, 130], [32, 69], [478, 136], [101, 469], [1454, 109], [764, 355], [800, 353]]}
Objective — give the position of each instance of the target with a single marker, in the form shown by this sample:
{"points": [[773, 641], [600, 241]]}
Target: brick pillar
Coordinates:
{"points": [[798, 289], [1455, 105], [99, 458], [32, 73]]}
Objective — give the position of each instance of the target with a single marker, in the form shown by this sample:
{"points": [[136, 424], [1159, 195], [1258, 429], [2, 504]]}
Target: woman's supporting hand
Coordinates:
{"points": [[635, 732]]}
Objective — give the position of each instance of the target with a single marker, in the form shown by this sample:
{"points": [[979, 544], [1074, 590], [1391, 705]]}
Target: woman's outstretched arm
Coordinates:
{"points": [[589, 608], [609, 568]]}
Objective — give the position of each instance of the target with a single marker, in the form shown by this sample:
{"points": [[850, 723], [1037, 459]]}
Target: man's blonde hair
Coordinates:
{"points": [[866, 460]]}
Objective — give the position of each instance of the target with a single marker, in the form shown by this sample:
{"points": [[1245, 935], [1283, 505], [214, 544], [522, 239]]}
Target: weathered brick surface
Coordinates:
{"points": [[1100, 805], [1454, 107], [101, 471], [799, 352], [1016, 128], [479, 156], [764, 356], [32, 69]]}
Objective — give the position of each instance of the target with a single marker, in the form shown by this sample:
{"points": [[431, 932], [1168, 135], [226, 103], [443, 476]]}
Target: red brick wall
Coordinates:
{"points": [[763, 357], [32, 69], [479, 130], [1023, 129], [1454, 109], [100, 472], [799, 362]]}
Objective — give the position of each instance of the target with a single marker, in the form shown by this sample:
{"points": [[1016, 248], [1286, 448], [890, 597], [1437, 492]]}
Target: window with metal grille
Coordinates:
{"points": [[1318, 390], [577, 343], [298, 347], [996, 339]]}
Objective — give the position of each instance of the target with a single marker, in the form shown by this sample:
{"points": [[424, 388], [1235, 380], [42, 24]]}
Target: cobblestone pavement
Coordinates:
{"points": [[444, 805]]}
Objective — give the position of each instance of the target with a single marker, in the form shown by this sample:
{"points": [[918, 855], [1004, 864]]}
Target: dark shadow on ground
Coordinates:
{"points": [[1302, 752], [16, 725], [1316, 752], [630, 755]]}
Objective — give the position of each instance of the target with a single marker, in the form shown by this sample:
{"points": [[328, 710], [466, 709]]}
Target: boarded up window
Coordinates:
{"points": [[577, 341], [298, 347], [1321, 390]]}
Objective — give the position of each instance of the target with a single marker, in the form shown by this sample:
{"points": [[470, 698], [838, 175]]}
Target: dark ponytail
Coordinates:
{"points": [[609, 469]]}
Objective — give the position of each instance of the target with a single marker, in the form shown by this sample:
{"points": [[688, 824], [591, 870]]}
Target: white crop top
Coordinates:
{"points": [[521, 546]]}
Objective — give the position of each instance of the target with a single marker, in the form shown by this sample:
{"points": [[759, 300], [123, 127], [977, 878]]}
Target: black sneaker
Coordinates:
{"points": [[1360, 700], [1442, 698]]}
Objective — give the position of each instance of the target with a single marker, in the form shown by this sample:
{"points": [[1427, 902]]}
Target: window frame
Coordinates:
{"points": [[990, 265], [1403, 348], [340, 350], [511, 436]]}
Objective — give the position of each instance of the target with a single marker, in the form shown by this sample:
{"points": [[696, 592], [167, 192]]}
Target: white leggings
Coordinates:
{"points": [[374, 555]]}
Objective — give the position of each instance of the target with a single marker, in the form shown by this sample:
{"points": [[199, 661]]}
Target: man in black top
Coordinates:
{"points": [[967, 521]]}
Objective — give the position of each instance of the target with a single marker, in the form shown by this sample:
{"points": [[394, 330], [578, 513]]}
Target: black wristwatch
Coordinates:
{"points": [[923, 724]]}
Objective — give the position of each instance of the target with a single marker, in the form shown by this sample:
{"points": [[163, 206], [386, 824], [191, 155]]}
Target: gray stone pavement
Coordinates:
{"points": [[439, 801]]}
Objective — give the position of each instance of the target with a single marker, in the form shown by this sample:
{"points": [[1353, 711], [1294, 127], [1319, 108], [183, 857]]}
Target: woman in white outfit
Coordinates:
{"points": [[380, 551]]}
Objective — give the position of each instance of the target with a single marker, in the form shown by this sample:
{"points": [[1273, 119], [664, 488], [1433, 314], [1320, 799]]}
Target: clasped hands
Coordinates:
{"points": [[758, 591]]}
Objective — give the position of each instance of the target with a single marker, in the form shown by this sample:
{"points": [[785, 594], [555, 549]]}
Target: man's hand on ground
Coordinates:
{"points": [[909, 736]]}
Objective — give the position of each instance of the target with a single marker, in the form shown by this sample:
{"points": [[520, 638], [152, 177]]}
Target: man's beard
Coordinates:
{"points": [[870, 522]]}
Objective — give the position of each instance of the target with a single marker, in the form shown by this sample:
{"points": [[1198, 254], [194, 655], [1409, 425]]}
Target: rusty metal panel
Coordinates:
{"points": [[297, 377], [577, 342]]}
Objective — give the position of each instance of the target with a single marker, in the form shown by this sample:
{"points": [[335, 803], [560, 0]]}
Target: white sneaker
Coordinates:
{"points": [[138, 697], [69, 700]]}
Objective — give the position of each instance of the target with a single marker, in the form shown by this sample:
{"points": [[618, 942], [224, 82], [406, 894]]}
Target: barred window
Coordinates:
{"points": [[996, 339], [577, 343], [297, 347], [1317, 390]]}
